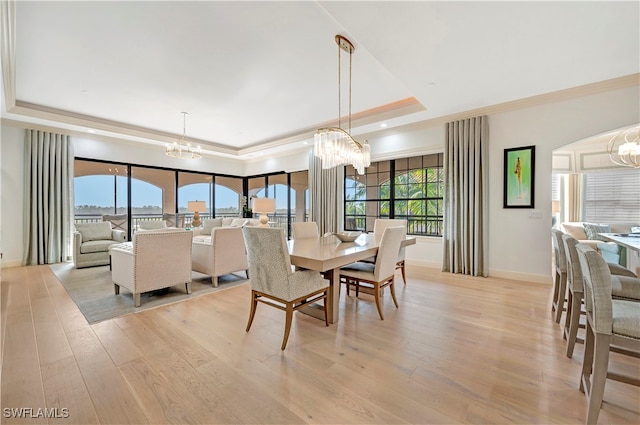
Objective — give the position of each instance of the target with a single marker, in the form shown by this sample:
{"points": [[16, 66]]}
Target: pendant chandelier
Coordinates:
{"points": [[334, 145], [624, 147], [181, 148]]}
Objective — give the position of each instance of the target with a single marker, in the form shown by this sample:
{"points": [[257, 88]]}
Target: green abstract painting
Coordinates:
{"points": [[519, 177]]}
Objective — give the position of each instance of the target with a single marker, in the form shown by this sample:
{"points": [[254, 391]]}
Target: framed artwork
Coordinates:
{"points": [[519, 177]]}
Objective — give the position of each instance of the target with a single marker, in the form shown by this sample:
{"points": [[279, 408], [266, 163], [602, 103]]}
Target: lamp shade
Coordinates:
{"points": [[264, 205], [196, 206], [555, 206]]}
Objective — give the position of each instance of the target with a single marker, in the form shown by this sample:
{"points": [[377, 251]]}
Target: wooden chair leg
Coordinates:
{"points": [[556, 286], [587, 360], [574, 322], [116, 287], [562, 294], [188, 287], [327, 306], [376, 290], [252, 313], [392, 289], [598, 377], [404, 276], [287, 325], [567, 317]]}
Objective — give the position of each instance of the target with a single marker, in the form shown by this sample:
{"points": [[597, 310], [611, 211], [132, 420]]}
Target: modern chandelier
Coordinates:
{"points": [[624, 147], [334, 145], [181, 148]]}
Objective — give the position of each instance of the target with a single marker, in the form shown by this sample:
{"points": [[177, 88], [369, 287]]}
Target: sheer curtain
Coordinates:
{"points": [[48, 199], [466, 196], [326, 193], [574, 197]]}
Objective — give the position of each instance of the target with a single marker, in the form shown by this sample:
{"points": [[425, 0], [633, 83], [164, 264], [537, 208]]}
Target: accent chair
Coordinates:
{"points": [[91, 242], [155, 259]]}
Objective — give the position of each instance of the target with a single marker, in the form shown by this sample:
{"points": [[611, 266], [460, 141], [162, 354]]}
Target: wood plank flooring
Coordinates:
{"points": [[458, 350]]}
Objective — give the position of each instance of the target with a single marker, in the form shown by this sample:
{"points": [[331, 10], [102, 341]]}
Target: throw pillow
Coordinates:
{"points": [[152, 224], [592, 231], [238, 222], [95, 231], [209, 224]]}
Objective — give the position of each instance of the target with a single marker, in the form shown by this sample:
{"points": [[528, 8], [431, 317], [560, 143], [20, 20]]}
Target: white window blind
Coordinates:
{"points": [[612, 196]]}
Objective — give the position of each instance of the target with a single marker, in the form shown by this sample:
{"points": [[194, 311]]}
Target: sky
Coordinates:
{"points": [[98, 190]]}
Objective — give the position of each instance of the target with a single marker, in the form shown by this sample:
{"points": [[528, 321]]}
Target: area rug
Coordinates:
{"points": [[92, 290]]}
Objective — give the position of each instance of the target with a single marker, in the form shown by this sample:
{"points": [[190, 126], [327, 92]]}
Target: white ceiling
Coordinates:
{"points": [[258, 74]]}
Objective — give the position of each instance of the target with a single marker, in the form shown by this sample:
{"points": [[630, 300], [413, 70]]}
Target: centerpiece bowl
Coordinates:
{"points": [[347, 236]]}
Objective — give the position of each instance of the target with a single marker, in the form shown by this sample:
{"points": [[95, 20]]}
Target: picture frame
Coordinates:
{"points": [[519, 177]]}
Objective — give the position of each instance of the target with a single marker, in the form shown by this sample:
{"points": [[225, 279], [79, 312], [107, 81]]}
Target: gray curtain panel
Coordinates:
{"points": [[466, 197], [326, 193], [48, 199]]}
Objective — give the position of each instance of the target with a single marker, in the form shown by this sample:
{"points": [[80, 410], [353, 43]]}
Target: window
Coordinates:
{"points": [[415, 193], [612, 196], [101, 191]]}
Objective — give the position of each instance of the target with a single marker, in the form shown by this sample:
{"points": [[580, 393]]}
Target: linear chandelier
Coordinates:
{"points": [[334, 145], [181, 148], [627, 143]]}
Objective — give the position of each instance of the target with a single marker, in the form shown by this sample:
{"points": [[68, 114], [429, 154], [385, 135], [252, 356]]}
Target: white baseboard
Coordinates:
{"points": [[526, 277], [503, 274], [11, 263]]}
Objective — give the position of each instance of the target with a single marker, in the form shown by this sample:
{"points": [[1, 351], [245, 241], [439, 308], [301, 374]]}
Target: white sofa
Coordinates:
{"points": [[154, 259]]}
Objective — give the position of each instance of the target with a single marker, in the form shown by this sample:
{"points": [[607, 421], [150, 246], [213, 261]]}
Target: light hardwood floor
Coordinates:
{"points": [[458, 350]]}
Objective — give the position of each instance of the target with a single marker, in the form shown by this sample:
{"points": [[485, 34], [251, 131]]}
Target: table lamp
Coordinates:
{"points": [[195, 207], [264, 206]]}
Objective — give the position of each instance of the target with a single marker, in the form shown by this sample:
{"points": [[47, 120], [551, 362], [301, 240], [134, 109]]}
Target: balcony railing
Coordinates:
{"points": [[276, 219]]}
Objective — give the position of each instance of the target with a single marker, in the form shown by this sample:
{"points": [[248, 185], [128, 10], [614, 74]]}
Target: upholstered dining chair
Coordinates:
{"points": [[305, 230], [380, 274], [272, 281], [624, 285], [378, 229], [560, 280], [612, 324]]}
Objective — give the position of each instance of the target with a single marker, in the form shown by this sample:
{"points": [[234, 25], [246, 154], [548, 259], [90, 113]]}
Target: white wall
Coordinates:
{"points": [[12, 170], [519, 247]]}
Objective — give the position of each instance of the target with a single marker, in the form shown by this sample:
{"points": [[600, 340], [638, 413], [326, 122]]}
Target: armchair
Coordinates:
{"points": [[222, 253], [91, 242], [156, 259]]}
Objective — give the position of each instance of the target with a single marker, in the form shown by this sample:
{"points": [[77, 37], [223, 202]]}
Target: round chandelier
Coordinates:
{"points": [[624, 147], [182, 148]]}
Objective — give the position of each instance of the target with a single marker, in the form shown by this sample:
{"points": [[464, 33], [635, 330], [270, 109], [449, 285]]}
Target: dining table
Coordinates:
{"points": [[628, 240], [326, 254], [631, 241]]}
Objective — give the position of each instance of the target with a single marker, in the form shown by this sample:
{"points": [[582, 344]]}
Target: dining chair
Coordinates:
{"points": [[380, 274], [272, 281], [378, 229], [305, 230], [560, 280], [612, 325], [623, 286]]}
